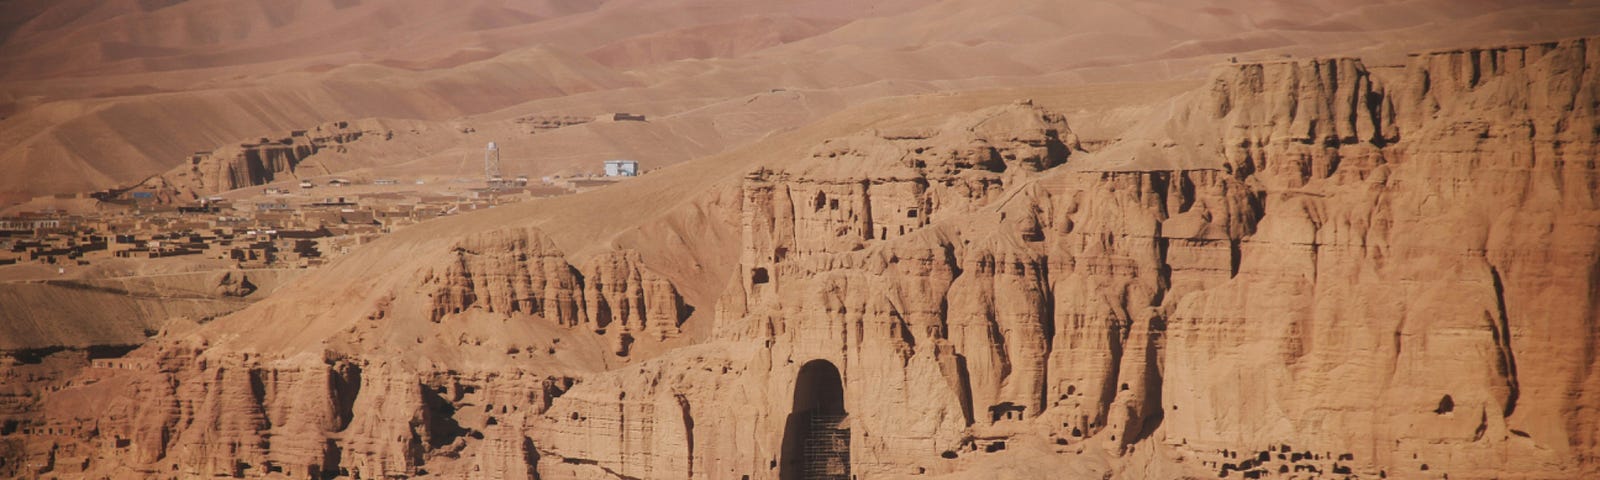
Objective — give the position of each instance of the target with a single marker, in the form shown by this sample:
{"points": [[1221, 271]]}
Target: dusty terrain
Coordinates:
{"points": [[99, 94], [890, 240]]}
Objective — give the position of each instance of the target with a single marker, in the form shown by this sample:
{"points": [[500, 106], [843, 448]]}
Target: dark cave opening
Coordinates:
{"points": [[816, 439]]}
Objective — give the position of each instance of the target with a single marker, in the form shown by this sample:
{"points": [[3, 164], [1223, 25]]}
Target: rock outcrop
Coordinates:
{"points": [[1305, 269], [511, 271], [179, 411], [507, 272], [1333, 271], [257, 162]]}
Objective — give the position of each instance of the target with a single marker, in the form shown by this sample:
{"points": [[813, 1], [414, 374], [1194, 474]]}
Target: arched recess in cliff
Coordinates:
{"points": [[816, 438]]}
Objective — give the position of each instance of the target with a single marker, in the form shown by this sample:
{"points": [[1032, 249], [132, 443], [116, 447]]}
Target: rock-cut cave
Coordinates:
{"points": [[816, 440]]}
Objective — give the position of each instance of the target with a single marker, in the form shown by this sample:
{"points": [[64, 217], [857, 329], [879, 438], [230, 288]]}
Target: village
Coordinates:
{"points": [[292, 225]]}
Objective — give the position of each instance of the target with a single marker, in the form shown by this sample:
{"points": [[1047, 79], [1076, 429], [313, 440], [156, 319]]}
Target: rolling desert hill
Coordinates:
{"points": [[104, 94]]}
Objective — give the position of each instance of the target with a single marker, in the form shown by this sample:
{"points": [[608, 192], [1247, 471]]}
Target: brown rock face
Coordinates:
{"points": [[522, 271], [193, 413], [1405, 279], [257, 162], [621, 293], [1374, 271], [509, 271], [1307, 269]]}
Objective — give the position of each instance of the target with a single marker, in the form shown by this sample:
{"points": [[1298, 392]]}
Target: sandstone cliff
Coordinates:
{"points": [[523, 271], [1304, 269], [1308, 269], [264, 160]]}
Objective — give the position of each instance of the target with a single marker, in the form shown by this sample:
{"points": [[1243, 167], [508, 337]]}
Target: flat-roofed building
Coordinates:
{"points": [[622, 168]]}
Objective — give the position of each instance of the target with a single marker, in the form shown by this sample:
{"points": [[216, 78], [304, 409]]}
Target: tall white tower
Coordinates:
{"points": [[491, 163]]}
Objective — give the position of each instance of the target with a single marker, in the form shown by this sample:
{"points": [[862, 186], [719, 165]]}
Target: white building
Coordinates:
{"points": [[622, 168]]}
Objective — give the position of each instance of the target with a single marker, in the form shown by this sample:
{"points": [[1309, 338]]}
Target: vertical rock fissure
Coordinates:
{"points": [[688, 432], [1151, 406], [1108, 389], [1502, 339], [258, 394], [1047, 324], [344, 382]]}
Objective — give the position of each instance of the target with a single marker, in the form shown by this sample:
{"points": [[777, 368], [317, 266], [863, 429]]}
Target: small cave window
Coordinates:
{"points": [[1446, 405], [820, 201], [833, 204], [1006, 411], [758, 276], [911, 213]]}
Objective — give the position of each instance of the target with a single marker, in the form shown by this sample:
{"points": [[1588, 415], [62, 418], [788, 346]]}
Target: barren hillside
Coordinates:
{"points": [[101, 94], [906, 240], [1302, 266]]}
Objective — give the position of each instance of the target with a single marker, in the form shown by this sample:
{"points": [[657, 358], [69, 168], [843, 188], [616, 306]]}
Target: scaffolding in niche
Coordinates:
{"points": [[826, 447]]}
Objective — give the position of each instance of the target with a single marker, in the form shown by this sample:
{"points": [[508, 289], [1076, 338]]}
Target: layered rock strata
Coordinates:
{"points": [[1307, 268], [258, 161], [1311, 268], [512, 271]]}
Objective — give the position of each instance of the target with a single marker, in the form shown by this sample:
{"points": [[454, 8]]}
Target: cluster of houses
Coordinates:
{"points": [[269, 230], [283, 226]]}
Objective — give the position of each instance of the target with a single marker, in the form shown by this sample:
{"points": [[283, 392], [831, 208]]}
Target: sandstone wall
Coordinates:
{"points": [[1361, 273], [1309, 268], [258, 161], [509, 271]]}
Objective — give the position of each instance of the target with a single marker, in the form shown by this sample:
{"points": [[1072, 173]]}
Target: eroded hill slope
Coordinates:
{"points": [[1313, 268]]}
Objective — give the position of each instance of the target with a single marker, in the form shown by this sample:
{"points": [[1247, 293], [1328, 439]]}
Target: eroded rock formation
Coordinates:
{"points": [[510, 271], [257, 162], [1375, 268], [193, 413], [1307, 268]]}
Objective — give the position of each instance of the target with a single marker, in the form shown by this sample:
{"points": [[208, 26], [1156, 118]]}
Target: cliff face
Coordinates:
{"points": [[1310, 268], [1349, 272], [260, 161], [512, 271], [178, 410], [510, 314], [1417, 295]]}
